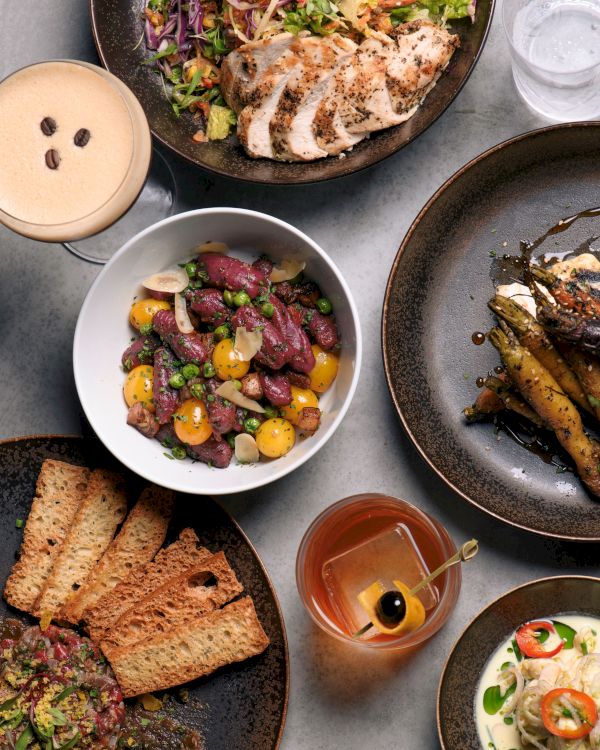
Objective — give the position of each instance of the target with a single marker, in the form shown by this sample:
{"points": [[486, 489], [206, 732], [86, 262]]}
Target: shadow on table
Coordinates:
{"points": [[491, 533]]}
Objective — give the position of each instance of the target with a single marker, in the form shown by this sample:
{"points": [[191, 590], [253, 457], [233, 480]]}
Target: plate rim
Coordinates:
{"points": [[402, 250], [238, 528], [483, 610], [92, 5]]}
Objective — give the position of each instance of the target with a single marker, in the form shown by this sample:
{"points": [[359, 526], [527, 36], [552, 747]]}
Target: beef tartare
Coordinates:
{"points": [[57, 691]]}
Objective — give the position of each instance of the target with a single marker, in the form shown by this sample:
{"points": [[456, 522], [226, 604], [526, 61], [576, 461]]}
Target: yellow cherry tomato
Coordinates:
{"points": [[301, 397], [275, 437], [143, 311], [191, 422], [325, 370], [227, 364], [139, 386]]}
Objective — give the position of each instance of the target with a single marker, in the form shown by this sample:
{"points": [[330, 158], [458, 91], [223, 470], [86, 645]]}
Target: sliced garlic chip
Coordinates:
{"points": [[213, 247], [247, 343], [286, 270], [172, 281], [246, 451], [181, 315], [230, 392]]}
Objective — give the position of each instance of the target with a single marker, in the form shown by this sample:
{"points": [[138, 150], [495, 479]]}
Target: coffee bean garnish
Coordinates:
{"points": [[48, 126], [82, 136], [52, 158]]}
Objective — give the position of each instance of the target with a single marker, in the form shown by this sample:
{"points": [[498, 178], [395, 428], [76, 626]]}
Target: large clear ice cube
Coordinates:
{"points": [[391, 554]]}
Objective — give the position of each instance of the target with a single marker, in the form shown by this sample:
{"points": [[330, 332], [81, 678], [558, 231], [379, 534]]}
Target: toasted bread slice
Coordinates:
{"points": [[59, 492], [102, 510], [137, 542], [198, 648], [201, 589], [169, 562]]}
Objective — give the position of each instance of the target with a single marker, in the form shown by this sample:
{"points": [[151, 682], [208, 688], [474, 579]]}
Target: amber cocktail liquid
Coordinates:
{"points": [[362, 540]]}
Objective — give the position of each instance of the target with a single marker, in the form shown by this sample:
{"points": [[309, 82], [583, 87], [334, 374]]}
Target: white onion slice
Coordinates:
{"points": [[181, 315], [171, 281], [230, 392], [213, 247], [246, 451], [247, 343], [286, 270]]}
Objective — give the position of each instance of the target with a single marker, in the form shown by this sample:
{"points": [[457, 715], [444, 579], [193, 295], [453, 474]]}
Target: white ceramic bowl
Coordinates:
{"points": [[103, 333]]}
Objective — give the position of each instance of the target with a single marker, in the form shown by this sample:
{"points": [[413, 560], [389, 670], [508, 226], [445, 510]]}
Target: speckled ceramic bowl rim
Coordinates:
{"points": [[493, 603], [387, 302], [447, 601], [361, 168], [252, 548]]}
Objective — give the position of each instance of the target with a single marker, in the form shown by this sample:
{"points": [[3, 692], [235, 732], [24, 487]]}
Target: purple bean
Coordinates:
{"points": [[209, 306], [274, 350], [221, 414], [217, 453], [233, 274], [166, 399], [264, 265], [300, 356], [140, 352], [323, 329], [276, 388], [195, 348]]}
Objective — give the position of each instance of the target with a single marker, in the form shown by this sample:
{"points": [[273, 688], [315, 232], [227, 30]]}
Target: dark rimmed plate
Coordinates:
{"points": [[544, 598], [242, 706], [436, 299], [117, 29]]}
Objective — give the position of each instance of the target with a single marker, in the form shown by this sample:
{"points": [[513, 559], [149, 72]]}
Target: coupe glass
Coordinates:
{"points": [[89, 188]]}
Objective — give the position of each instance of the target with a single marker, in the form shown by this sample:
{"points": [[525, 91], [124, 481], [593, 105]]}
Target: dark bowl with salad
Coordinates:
{"points": [[169, 53]]}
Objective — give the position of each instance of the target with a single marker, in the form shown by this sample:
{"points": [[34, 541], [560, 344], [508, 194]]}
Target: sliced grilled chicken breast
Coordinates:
{"points": [[304, 98], [291, 130]]}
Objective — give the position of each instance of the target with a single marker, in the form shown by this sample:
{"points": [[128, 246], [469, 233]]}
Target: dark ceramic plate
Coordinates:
{"points": [[117, 29], [545, 598], [242, 706], [437, 297]]}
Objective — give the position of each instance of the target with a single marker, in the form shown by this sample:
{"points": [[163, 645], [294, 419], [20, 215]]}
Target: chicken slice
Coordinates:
{"points": [[291, 129], [254, 120], [244, 69], [328, 127], [423, 52]]}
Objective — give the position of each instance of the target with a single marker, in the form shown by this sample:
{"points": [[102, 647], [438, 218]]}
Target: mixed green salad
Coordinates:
{"points": [[188, 39]]}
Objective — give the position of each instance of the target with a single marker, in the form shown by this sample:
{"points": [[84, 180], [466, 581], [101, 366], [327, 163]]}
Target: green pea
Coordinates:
{"points": [[177, 380], [237, 384], [324, 306], [251, 424], [198, 390], [145, 329], [228, 298], [222, 332], [241, 298], [271, 412], [190, 371], [268, 309], [178, 452], [209, 370], [190, 269], [231, 440]]}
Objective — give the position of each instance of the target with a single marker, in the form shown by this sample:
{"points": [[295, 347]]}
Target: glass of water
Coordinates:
{"points": [[555, 47]]}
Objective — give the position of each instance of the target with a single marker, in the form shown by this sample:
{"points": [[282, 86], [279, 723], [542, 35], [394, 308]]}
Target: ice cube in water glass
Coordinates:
{"points": [[391, 554]]}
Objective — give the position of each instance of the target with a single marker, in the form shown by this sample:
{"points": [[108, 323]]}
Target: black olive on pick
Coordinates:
{"points": [[391, 608]]}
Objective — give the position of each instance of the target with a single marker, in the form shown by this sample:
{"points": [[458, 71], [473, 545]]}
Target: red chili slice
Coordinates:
{"points": [[553, 709], [527, 640]]}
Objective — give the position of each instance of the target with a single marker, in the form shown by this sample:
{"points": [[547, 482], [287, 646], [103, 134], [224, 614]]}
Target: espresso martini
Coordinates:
{"points": [[76, 150]]}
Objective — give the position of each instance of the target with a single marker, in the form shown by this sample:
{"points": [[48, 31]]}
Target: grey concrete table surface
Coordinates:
{"points": [[340, 697]]}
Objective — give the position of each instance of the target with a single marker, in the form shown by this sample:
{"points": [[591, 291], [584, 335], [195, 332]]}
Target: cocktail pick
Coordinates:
{"points": [[466, 552]]}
